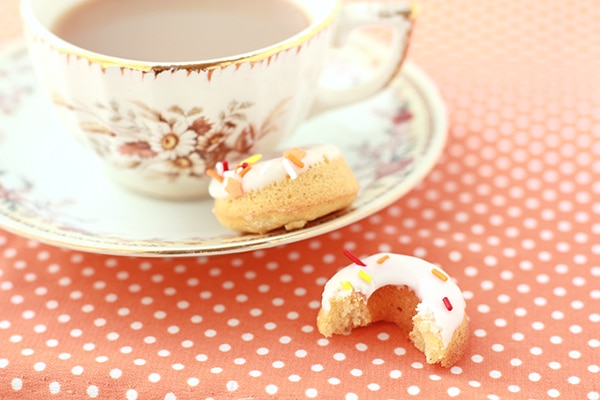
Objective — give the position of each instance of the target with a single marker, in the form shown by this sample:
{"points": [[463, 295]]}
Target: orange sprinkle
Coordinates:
{"points": [[213, 174], [439, 274], [234, 188], [382, 259], [364, 276], [295, 155], [346, 285], [244, 171]]}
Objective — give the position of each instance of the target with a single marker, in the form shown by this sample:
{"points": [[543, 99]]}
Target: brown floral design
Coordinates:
{"points": [[174, 142]]}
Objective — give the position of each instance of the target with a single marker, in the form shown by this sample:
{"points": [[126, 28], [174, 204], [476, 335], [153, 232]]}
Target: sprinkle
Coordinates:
{"points": [[289, 169], [293, 159], [234, 188], [353, 258], [439, 274], [213, 174], [295, 155], [245, 171], [253, 159], [447, 303], [346, 285], [364, 276], [241, 165], [225, 165], [382, 259]]}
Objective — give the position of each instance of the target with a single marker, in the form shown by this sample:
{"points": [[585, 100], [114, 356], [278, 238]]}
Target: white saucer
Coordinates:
{"points": [[53, 190]]}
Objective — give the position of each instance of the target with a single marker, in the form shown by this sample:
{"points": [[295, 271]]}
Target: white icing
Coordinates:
{"points": [[266, 172], [401, 270]]}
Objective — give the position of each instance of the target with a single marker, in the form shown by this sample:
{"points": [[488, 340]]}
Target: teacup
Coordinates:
{"points": [[160, 119]]}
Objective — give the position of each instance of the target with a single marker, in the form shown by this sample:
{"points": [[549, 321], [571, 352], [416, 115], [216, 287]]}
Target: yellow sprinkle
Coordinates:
{"points": [[346, 285], [366, 277], [252, 159], [439, 274], [382, 259]]}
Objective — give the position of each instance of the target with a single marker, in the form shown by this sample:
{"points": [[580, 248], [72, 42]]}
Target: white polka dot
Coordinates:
{"points": [[413, 390], [317, 367], [495, 374], [77, 370], [54, 387], [271, 389], [232, 386], [514, 389], [534, 377], [92, 391], [39, 366], [16, 384], [553, 393], [115, 373], [262, 351], [131, 394], [574, 354]]}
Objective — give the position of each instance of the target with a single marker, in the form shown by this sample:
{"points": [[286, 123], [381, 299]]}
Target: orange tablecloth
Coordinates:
{"points": [[512, 211]]}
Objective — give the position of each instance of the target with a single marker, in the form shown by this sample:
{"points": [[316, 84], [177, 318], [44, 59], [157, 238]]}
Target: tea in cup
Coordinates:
{"points": [[162, 90]]}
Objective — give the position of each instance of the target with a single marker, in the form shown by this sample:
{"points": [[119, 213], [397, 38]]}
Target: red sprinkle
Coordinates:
{"points": [[447, 303], [225, 165], [353, 258]]}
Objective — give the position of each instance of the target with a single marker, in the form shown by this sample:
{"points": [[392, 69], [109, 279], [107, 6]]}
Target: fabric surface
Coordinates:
{"points": [[511, 211]]}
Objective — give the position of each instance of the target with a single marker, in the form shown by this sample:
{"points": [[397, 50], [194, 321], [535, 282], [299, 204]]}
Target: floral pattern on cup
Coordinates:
{"points": [[172, 142]]}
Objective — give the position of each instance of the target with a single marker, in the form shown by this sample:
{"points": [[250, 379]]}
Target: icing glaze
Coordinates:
{"points": [[266, 172], [438, 295]]}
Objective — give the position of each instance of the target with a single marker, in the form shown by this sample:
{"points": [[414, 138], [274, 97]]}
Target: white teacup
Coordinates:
{"points": [[159, 121]]}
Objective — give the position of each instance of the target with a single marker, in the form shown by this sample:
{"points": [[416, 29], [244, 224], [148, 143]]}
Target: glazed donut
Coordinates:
{"points": [[415, 294], [288, 191]]}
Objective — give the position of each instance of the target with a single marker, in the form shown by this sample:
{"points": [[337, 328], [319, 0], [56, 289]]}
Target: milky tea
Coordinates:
{"points": [[179, 30]]}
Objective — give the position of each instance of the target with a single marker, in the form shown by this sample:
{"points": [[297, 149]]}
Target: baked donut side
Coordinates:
{"points": [[279, 193], [416, 295]]}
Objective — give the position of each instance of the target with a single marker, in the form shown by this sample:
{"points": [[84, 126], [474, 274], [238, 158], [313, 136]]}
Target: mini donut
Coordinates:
{"points": [[415, 294], [288, 191]]}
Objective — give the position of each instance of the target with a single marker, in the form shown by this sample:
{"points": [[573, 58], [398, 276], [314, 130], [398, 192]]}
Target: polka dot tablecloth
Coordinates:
{"points": [[511, 211]]}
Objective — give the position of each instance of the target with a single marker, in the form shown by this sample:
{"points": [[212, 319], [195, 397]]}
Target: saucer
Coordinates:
{"points": [[55, 191]]}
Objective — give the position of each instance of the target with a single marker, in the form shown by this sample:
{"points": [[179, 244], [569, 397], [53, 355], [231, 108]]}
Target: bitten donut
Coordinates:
{"points": [[302, 185], [416, 295]]}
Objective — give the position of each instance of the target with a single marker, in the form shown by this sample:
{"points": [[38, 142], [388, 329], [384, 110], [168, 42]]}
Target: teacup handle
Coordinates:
{"points": [[398, 15]]}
